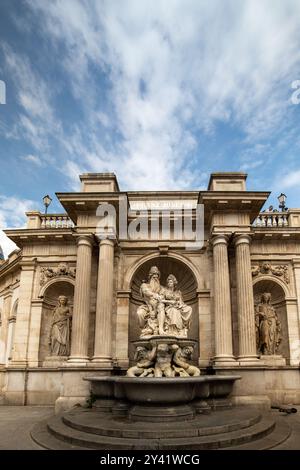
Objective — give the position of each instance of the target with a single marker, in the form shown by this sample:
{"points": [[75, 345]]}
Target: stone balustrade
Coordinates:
{"points": [[272, 219], [36, 220]]}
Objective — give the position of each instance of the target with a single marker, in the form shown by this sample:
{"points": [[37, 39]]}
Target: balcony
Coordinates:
{"points": [[277, 219], [36, 220]]}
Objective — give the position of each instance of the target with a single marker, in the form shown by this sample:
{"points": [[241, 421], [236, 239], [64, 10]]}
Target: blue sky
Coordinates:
{"points": [[161, 93]]}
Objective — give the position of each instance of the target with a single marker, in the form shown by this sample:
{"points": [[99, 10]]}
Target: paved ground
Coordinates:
{"points": [[16, 422]]}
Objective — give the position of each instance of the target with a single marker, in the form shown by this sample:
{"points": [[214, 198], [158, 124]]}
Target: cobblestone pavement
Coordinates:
{"points": [[16, 422]]}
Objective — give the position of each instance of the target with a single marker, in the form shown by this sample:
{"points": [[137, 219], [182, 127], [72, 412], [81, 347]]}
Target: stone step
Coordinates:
{"points": [[57, 428], [280, 434], [41, 436], [202, 425]]}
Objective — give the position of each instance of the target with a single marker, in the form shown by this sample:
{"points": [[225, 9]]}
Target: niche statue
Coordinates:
{"points": [[268, 326], [59, 339], [164, 311]]}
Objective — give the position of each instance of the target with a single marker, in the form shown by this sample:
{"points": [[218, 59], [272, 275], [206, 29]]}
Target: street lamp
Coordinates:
{"points": [[47, 201], [281, 200]]}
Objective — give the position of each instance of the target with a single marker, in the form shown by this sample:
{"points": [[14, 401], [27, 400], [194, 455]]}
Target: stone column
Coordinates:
{"points": [[121, 344], [82, 295], [4, 326], [222, 304], [245, 301], [22, 327], [104, 304]]}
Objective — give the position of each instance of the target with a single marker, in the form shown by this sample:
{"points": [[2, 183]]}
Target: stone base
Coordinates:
{"points": [[55, 361], [258, 402], [274, 360], [161, 413], [63, 404]]}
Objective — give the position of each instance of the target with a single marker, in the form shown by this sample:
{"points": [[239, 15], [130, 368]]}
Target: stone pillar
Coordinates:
{"points": [[245, 301], [123, 301], [82, 295], [4, 326], [222, 304], [22, 327], [34, 334], [104, 304]]}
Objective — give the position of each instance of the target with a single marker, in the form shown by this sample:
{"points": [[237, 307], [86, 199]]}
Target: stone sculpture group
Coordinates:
{"points": [[164, 320]]}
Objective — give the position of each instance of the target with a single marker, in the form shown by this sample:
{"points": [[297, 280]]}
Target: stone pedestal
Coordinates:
{"points": [[55, 361], [103, 334], [245, 302], [222, 304], [273, 360], [82, 293]]}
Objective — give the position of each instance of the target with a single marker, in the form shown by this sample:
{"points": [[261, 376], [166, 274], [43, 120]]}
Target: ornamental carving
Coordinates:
{"points": [[267, 268], [62, 269]]}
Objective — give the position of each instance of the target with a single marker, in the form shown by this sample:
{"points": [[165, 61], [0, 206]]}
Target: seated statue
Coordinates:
{"points": [[145, 361], [164, 355], [181, 356], [150, 292], [164, 312], [177, 313], [151, 326]]}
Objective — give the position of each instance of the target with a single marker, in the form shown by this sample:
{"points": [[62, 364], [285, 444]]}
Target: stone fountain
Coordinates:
{"points": [[162, 388], [162, 384]]}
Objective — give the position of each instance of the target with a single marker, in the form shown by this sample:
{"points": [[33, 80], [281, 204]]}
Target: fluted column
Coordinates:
{"points": [[222, 304], [103, 328], [82, 294], [245, 301]]}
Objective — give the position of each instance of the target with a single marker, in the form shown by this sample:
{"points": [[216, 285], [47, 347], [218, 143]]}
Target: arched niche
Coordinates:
{"points": [[187, 283], [278, 293], [50, 300]]}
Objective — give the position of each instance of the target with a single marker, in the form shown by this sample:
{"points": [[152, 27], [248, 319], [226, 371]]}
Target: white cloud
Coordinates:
{"points": [[37, 119], [175, 68], [290, 180], [12, 211], [33, 159], [7, 245], [12, 214], [251, 165]]}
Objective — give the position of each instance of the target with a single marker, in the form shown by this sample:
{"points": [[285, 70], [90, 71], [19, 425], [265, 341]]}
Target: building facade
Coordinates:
{"points": [[69, 294]]}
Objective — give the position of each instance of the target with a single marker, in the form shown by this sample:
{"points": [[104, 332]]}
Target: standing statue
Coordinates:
{"points": [[164, 312], [268, 326], [59, 339]]}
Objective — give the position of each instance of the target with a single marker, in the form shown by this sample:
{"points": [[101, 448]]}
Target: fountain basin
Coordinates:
{"points": [[162, 390]]}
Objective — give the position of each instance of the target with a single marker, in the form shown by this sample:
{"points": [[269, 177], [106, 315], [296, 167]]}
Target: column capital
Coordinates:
{"points": [[106, 241], [85, 240], [240, 238], [218, 238]]}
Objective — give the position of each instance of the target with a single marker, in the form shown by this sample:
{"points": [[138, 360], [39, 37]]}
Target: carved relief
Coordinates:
{"points": [[268, 326], [267, 268], [62, 269]]}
